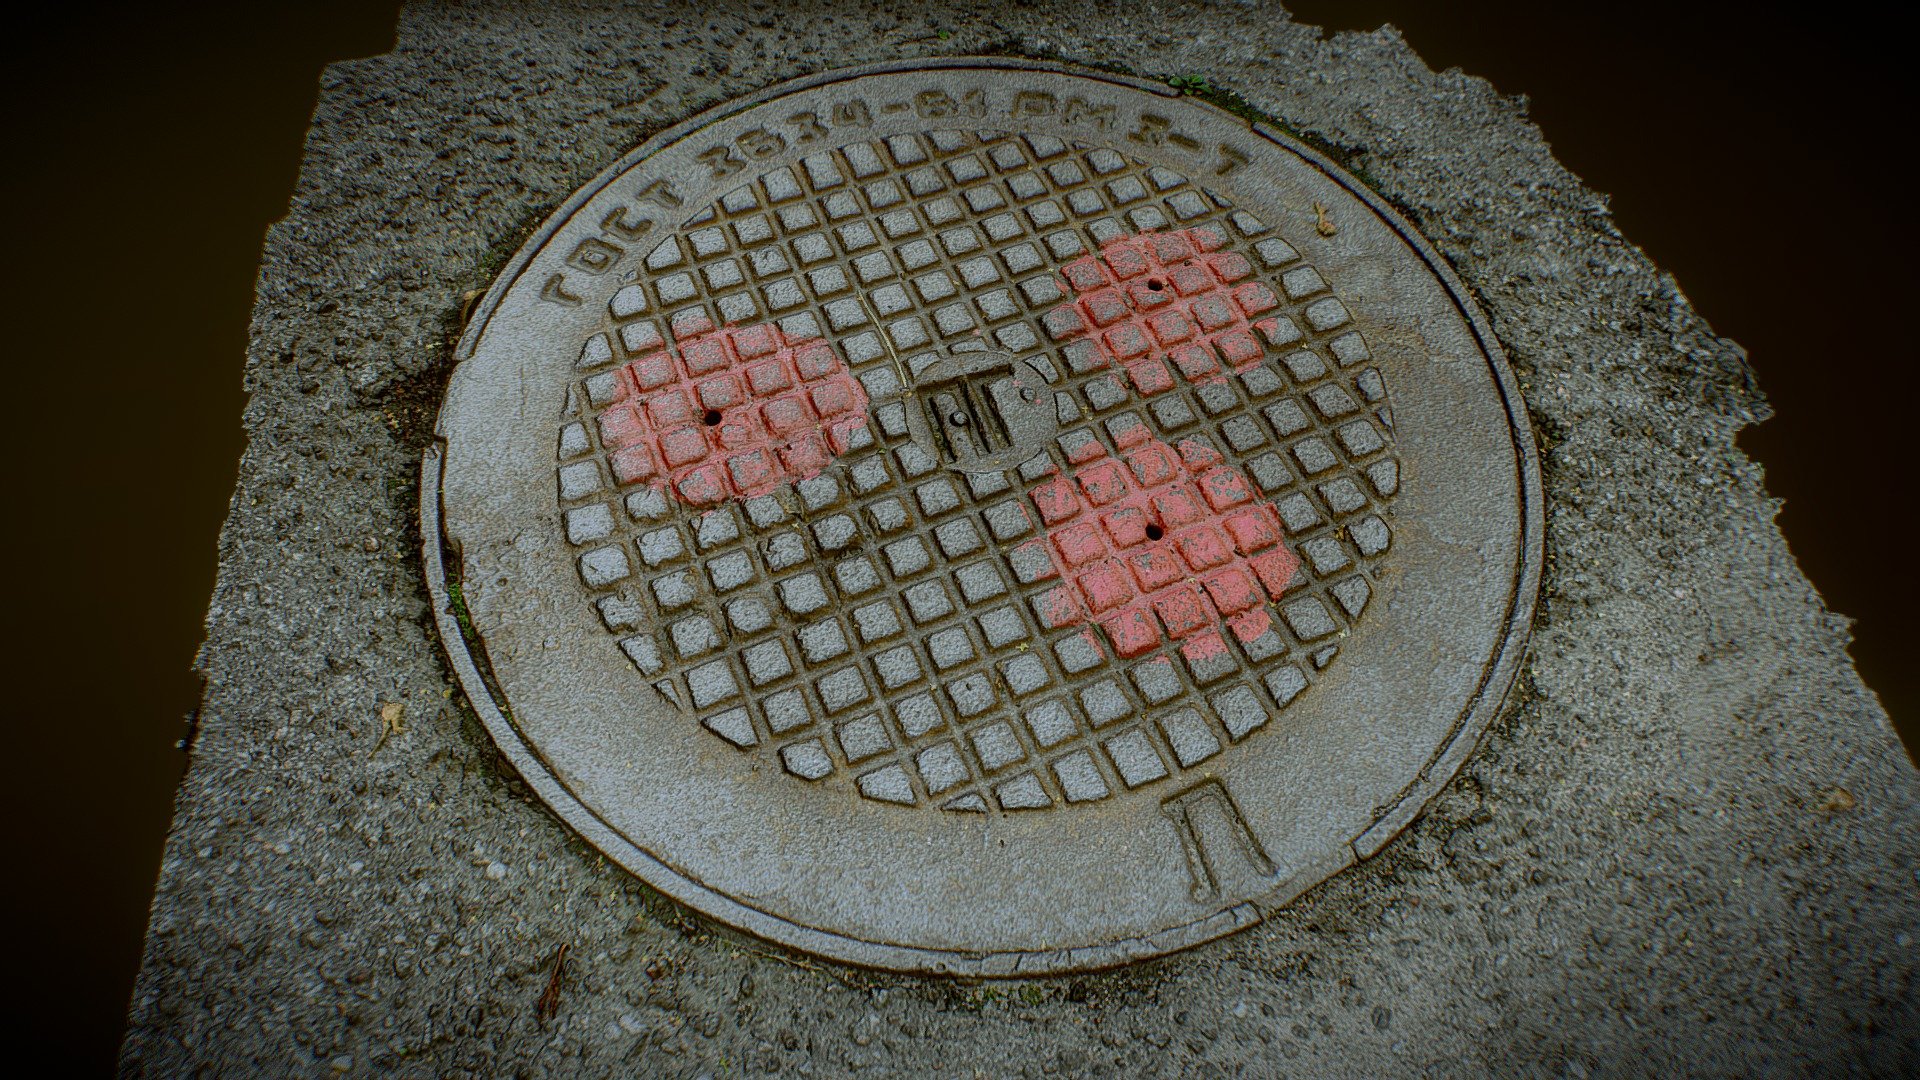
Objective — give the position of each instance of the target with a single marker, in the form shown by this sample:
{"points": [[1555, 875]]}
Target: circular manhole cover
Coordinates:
{"points": [[982, 517]]}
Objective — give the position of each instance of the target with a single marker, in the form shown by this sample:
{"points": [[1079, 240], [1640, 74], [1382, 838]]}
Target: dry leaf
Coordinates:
{"points": [[393, 721], [1323, 224], [548, 1006]]}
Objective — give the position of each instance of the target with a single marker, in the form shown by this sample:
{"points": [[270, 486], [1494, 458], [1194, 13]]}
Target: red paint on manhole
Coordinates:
{"points": [[731, 413], [1169, 541], [1156, 299], [1162, 541]]}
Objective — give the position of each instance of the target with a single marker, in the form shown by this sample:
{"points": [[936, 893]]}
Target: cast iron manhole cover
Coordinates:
{"points": [[982, 517]]}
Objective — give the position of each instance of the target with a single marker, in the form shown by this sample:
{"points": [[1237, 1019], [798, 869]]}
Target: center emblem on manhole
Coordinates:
{"points": [[990, 519], [983, 410]]}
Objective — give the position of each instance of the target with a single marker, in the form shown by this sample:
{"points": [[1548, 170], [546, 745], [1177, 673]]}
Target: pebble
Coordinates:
{"points": [[496, 870]]}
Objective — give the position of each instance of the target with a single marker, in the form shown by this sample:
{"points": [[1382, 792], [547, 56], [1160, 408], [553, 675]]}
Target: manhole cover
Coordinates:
{"points": [[986, 518]]}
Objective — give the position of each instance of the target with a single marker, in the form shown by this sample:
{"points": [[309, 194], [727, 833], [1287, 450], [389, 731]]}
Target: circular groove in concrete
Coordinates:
{"points": [[988, 518]]}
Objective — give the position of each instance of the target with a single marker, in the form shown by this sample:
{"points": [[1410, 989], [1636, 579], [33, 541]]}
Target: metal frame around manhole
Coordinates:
{"points": [[1282, 879]]}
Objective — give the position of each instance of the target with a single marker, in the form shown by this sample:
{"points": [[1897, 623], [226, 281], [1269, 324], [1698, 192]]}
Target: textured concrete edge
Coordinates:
{"points": [[658, 875], [1487, 701]]}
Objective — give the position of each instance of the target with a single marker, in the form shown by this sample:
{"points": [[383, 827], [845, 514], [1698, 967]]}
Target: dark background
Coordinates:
{"points": [[1753, 154]]}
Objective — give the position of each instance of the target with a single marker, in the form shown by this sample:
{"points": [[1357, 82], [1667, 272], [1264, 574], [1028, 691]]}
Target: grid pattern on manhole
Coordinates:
{"points": [[891, 618]]}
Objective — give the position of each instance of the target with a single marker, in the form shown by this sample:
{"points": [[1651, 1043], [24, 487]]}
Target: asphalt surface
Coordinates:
{"points": [[1688, 848]]}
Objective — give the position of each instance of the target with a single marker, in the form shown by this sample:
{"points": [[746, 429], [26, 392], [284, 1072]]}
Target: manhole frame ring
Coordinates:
{"points": [[1483, 705]]}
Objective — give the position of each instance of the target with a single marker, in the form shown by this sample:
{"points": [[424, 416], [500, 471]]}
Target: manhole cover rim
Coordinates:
{"points": [[1501, 667]]}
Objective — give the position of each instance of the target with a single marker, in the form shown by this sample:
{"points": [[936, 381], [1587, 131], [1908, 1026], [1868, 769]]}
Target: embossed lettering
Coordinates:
{"points": [[809, 125], [1230, 159], [555, 292], [722, 161], [1215, 837], [594, 255], [617, 223], [1080, 110], [660, 191], [1152, 130], [938, 104], [760, 143], [1033, 103], [853, 113], [934, 104]]}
